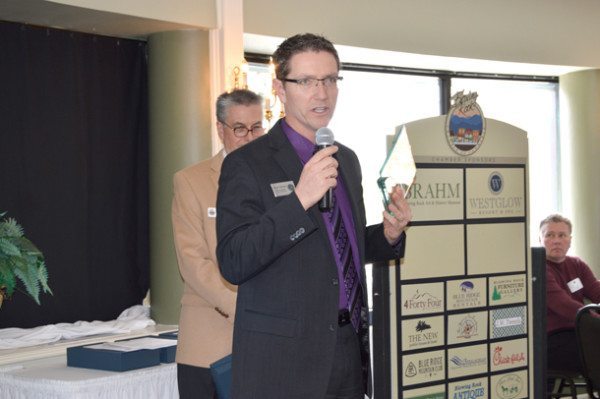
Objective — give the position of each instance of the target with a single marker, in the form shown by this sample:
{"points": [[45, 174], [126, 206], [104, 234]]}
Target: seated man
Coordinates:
{"points": [[569, 281]]}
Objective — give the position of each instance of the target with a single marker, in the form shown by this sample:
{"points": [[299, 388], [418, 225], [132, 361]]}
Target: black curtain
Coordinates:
{"points": [[74, 168]]}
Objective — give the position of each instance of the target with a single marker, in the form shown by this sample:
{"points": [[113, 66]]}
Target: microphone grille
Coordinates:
{"points": [[324, 136]]}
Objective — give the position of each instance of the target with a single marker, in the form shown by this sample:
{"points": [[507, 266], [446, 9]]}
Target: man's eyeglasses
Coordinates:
{"points": [[552, 236], [242, 131], [306, 83]]}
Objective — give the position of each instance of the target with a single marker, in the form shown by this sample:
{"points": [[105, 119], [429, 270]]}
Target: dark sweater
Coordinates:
{"points": [[562, 303]]}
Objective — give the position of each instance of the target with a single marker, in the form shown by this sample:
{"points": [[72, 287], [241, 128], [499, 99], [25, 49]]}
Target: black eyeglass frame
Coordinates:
{"points": [[306, 82], [245, 129]]}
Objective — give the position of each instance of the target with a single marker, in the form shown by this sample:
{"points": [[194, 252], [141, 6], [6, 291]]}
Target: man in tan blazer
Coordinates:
{"points": [[208, 302]]}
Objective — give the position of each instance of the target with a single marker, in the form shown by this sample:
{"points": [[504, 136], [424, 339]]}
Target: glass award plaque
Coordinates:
{"points": [[398, 168]]}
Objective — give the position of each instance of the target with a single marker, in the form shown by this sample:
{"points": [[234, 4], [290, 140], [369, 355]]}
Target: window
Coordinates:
{"points": [[372, 103], [531, 106]]}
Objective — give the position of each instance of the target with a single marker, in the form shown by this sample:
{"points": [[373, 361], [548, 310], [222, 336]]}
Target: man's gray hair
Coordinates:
{"points": [[235, 97], [556, 218]]}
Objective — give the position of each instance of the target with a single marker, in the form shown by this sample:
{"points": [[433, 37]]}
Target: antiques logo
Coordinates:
{"points": [[470, 390], [465, 124]]}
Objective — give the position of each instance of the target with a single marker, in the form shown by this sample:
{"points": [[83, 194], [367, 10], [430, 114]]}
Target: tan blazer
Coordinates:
{"points": [[208, 302]]}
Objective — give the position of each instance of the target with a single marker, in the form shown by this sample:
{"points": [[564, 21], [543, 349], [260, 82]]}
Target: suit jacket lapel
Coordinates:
{"points": [[215, 167], [284, 153], [286, 157], [353, 189]]}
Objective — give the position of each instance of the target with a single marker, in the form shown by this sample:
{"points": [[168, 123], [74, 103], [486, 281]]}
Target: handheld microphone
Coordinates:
{"points": [[324, 139]]}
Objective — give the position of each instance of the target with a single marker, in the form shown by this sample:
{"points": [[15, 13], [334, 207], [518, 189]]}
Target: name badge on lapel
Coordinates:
{"points": [[283, 188]]}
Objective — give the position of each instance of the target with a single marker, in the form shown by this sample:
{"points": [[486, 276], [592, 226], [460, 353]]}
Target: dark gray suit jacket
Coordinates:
{"points": [[280, 256]]}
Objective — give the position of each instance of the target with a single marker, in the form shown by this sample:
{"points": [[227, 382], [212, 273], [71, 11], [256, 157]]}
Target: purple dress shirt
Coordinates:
{"points": [[305, 149]]}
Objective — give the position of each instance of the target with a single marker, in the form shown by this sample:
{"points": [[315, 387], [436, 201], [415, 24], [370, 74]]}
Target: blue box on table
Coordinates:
{"points": [[169, 335], [112, 360], [167, 353]]}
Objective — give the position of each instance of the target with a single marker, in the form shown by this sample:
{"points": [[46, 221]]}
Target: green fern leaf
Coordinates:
{"points": [[28, 277], [27, 246], [8, 248], [7, 277], [10, 228], [20, 260], [43, 277]]}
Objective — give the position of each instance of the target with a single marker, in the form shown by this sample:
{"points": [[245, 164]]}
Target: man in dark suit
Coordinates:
{"points": [[300, 327]]}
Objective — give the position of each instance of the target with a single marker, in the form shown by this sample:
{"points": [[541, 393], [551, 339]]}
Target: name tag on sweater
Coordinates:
{"points": [[575, 285]]}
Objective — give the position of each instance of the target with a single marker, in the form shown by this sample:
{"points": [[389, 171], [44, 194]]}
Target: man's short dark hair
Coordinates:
{"points": [[300, 43], [556, 218], [235, 97]]}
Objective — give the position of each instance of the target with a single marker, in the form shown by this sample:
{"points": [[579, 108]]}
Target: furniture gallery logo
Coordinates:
{"points": [[465, 124], [508, 289]]}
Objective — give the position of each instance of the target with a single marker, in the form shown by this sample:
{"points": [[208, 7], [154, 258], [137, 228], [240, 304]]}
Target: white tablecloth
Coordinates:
{"points": [[50, 378]]}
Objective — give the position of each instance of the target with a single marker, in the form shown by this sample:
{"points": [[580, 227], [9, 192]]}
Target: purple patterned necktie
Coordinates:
{"points": [[352, 284]]}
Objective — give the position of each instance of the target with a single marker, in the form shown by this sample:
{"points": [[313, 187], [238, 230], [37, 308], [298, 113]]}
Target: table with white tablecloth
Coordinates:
{"points": [[50, 378]]}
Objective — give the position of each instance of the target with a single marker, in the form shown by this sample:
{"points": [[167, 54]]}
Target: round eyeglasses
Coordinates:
{"points": [[242, 131]]}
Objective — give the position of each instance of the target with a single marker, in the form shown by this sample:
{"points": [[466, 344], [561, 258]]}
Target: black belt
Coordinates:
{"points": [[343, 317]]}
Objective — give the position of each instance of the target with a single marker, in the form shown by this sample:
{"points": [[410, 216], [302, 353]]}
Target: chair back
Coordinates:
{"points": [[587, 328]]}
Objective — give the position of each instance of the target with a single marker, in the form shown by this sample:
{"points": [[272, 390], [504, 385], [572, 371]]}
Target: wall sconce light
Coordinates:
{"points": [[271, 99], [240, 76]]}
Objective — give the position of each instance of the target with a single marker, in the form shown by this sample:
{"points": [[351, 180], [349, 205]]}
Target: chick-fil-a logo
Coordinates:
{"points": [[500, 359]]}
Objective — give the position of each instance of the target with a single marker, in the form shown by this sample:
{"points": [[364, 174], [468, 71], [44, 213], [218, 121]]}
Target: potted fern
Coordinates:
{"points": [[20, 260]]}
